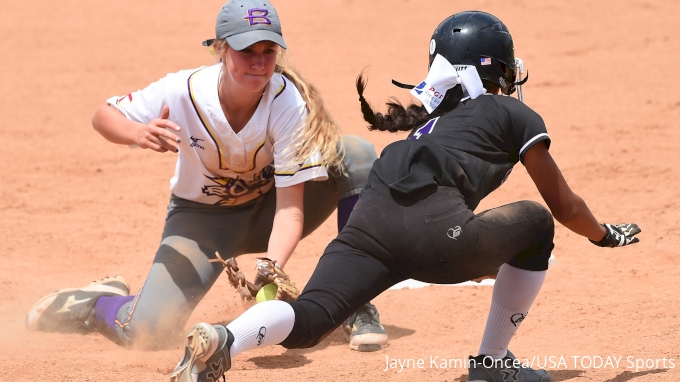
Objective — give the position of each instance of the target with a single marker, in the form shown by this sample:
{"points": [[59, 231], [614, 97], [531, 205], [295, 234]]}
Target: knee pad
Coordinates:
{"points": [[537, 255], [358, 151], [359, 157]]}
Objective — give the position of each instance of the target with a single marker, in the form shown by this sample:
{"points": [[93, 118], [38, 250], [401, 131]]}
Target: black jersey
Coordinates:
{"points": [[473, 147]]}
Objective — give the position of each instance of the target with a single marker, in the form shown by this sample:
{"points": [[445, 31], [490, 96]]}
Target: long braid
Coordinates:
{"points": [[399, 118]]}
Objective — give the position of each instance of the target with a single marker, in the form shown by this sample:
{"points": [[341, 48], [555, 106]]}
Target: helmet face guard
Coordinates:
{"points": [[519, 70], [479, 39]]}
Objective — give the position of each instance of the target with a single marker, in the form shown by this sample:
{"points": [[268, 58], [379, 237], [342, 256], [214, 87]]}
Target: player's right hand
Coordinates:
{"points": [[157, 135], [619, 235]]}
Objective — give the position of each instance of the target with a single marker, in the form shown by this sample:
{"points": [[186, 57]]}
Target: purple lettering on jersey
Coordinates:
{"points": [[424, 129], [257, 16]]}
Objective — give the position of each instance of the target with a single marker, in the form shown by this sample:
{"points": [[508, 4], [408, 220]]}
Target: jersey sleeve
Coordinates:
{"points": [[528, 127], [143, 105], [290, 114]]}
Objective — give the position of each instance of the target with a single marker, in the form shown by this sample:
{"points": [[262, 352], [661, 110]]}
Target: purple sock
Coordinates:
{"points": [[345, 207], [107, 307]]}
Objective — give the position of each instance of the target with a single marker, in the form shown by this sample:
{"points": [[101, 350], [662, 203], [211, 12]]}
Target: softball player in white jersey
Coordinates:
{"points": [[217, 165], [250, 135]]}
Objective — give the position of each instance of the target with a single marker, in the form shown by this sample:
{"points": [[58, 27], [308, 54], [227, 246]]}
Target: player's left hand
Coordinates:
{"points": [[157, 134], [619, 235]]}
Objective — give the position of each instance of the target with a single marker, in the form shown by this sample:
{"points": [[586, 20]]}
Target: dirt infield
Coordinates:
{"points": [[75, 208]]}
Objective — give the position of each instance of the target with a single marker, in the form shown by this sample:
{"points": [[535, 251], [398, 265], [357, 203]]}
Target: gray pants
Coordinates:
{"points": [[182, 274]]}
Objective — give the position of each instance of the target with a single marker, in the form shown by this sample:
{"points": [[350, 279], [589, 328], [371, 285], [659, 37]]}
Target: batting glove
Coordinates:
{"points": [[619, 235], [264, 262]]}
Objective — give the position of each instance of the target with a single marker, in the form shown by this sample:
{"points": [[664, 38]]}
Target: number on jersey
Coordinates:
{"points": [[425, 129]]}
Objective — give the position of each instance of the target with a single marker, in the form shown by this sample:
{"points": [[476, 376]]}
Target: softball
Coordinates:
{"points": [[267, 292]]}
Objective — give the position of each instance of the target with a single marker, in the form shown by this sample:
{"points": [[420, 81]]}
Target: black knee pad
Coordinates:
{"points": [[537, 255], [312, 325]]}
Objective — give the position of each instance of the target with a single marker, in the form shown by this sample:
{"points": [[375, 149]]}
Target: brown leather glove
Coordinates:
{"points": [[268, 272]]}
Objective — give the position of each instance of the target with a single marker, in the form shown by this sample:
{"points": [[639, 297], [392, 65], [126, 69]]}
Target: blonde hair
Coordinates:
{"points": [[320, 132]]}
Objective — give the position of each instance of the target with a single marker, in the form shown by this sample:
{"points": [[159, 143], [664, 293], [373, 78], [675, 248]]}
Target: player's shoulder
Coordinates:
{"points": [[521, 116], [180, 77], [508, 103], [283, 93], [191, 82], [283, 87], [513, 107]]}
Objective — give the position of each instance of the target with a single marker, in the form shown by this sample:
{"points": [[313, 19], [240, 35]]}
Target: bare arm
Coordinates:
{"points": [[113, 126], [288, 222], [567, 207]]}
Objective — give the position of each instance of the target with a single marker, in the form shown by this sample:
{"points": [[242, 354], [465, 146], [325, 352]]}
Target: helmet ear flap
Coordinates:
{"points": [[508, 80]]}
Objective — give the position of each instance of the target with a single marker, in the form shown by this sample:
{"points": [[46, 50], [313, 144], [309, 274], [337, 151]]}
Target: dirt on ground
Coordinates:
{"points": [[75, 208]]}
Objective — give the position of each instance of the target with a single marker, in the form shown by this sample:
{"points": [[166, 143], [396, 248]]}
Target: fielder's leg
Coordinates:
{"points": [[181, 274]]}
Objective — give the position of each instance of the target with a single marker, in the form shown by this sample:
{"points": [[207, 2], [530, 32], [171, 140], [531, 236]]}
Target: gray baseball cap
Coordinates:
{"points": [[245, 22]]}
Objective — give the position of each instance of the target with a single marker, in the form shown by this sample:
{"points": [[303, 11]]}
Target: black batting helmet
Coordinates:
{"points": [[479, 39]]}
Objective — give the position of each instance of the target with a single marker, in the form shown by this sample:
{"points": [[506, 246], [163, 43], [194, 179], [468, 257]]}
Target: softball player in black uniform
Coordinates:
{"points": [[415, 216]]}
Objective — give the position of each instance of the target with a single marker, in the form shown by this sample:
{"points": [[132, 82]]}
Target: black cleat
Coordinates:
{"points": [[508, 369]]}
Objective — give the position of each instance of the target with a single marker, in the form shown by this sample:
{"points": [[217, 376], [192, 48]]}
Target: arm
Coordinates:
{"points": [[288, 222], [567, 207], [116, 128], [286, 233]]}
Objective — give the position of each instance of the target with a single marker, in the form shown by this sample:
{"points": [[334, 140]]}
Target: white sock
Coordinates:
{"points": [[266, 323], [513, 294]]}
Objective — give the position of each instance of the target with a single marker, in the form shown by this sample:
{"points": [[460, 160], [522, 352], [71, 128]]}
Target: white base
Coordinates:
{"points": [[415, 284]]}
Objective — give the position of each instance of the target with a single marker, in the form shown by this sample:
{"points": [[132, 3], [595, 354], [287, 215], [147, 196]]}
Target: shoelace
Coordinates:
{"points": [[365, 316]]}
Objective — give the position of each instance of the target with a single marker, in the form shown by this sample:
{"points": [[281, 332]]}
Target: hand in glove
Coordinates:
{"points": [[619, 235]]}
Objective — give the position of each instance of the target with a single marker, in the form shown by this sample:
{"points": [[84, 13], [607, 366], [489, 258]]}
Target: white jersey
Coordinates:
{"points": [[216, 165]]}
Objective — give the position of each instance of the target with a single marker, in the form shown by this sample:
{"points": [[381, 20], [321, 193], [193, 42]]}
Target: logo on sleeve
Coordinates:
{"points": [[257, 16], [125, 97]]}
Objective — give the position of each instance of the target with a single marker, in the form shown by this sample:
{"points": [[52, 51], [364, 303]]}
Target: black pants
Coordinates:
{"points": [[436, 239]]}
